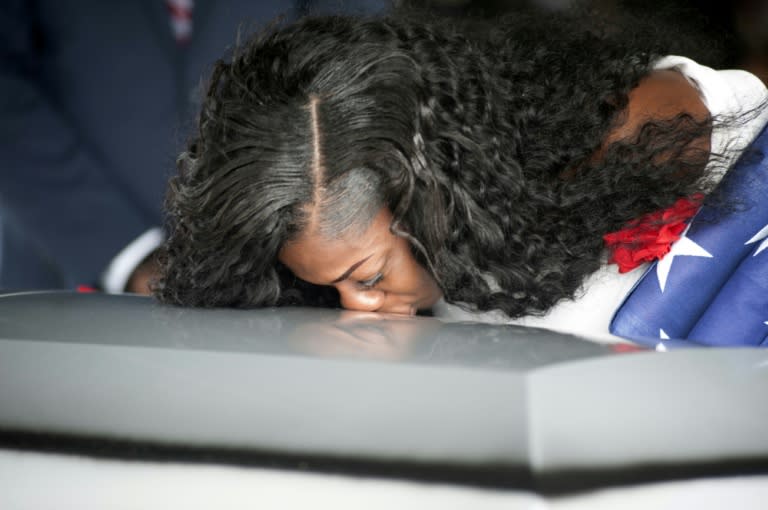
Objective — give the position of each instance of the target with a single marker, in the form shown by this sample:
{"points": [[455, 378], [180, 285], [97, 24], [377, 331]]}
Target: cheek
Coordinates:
{"points": [[408, 276], [421, 282], [428, 291], [431, 289]]}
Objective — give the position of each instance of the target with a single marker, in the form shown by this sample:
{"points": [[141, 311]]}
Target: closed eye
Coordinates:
{"points": [[371, 282]]}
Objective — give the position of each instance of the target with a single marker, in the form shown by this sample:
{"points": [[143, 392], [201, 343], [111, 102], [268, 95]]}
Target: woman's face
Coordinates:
{"points": [[374, 271]]}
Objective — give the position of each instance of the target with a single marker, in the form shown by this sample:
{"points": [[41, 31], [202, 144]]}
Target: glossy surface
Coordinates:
{"points": [[327, 383], [308, 332]]}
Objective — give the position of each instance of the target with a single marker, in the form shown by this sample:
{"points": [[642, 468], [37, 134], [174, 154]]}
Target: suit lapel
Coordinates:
{"points": [[158, 22], [200, 15]]}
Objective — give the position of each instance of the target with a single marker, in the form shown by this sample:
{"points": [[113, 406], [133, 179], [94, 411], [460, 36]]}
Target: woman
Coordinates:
{"points": [[394, 165]]}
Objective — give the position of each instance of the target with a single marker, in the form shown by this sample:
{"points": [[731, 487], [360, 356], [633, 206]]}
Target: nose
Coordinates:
{"points": [[363, 300]]}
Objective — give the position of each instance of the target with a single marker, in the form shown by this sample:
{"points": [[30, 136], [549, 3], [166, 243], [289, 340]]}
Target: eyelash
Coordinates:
{"points": [[371, 282]]}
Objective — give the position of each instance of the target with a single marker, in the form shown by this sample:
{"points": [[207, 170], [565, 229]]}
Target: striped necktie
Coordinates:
{"points": [[181, 19]]}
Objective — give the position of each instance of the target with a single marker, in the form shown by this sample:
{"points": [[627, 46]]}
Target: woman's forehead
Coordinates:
{"points": [[318, 257]]}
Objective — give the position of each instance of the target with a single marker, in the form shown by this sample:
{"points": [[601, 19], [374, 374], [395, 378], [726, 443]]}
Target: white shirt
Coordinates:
{"points": [[727, 94]]}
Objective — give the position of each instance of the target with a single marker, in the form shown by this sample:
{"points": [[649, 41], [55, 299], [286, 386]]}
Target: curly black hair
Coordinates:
{"points": [[479, 137]]}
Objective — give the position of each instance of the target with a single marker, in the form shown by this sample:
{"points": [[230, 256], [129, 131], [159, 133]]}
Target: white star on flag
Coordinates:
{"points": [[663, 334], [763, 234], [682, 246]]}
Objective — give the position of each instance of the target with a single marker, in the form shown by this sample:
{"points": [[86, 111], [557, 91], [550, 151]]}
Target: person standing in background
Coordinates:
{"points": [[95, 98]]}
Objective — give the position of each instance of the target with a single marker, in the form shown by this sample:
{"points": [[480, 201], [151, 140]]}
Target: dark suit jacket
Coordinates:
{"points": [[96, 100]]}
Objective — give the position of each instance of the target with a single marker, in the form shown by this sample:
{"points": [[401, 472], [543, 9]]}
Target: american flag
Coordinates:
{"points": [[712, 287]]}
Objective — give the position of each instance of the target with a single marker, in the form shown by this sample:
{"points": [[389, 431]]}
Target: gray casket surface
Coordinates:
{"points": [[371, 394]]}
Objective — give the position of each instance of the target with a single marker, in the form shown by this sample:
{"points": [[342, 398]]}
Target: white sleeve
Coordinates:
{"points": [[119, 271]]}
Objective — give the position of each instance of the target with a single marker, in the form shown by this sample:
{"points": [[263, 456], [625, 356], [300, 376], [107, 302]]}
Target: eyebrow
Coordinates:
{"points": [[351, 268]]}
